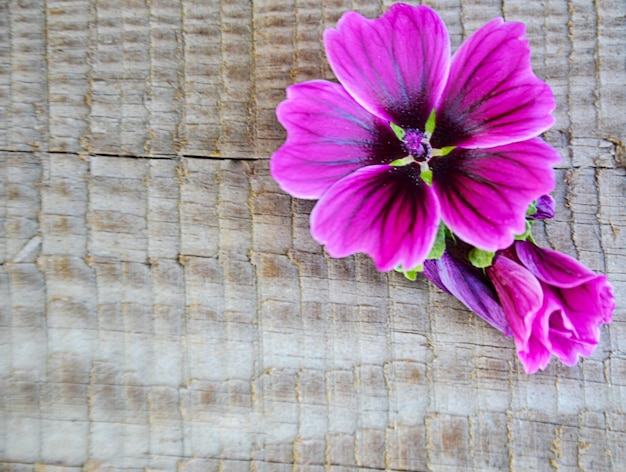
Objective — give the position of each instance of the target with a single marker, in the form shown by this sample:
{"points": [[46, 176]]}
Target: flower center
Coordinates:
{"points": [[416, 144]]}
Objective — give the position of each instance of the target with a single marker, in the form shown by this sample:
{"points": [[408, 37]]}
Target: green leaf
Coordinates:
{"points": [[440, 243], [479, 258], [430, 123], [399, 132]]}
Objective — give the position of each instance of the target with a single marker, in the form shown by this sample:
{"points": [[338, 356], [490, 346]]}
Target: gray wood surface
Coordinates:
{"points": [[163, 307]]}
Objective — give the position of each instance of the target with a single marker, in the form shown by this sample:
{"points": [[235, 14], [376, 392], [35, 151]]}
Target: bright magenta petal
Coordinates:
{"points": [[583, 308], [576, 302], [329, 136], [534, 356], [562, 336], [553, 267], [607, 300], [492, 96], [395, 66], [386, 212], [521, 296], [586, 297], [484, 193]]}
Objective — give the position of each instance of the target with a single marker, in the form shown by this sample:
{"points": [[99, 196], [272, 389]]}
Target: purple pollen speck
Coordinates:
{"points": [[416, 145]]}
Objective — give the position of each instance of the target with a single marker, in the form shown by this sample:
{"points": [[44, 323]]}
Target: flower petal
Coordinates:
{"points": [[520, 294], [470, 286], [484, 193], [329, 136], [586, 296], [562, 336], [534, 356], [553, 267], [492, 96], [545, 208], [607, 300], [433, 269], [384, 211], [395, 66], [583, 307], [576, 302]]}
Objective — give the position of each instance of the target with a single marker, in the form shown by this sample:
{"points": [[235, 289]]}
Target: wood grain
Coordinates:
{"points": [[163, 306]]}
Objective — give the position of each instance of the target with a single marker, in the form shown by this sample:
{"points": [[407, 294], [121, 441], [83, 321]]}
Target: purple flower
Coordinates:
{"points": [[553, 303], [411, 137], [548, 301]]}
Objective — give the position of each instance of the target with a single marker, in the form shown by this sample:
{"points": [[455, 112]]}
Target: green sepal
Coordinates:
{"points": [[449, 233], [526, 234], [398, 131], [532, 208], [411, 274], [427, 176], [430, 123], [479, 258], [440, 243]]}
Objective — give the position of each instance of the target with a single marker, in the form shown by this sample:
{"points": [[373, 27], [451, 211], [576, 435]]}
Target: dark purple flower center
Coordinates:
{"points": [[416, 144]]}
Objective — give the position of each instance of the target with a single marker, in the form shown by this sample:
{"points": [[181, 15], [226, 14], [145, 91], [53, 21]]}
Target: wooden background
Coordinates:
{"points": [[163, 307]]}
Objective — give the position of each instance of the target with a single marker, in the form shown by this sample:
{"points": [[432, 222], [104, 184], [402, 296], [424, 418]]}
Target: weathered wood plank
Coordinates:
{"points": [[242, 348], [175, 314], [203, 78]]}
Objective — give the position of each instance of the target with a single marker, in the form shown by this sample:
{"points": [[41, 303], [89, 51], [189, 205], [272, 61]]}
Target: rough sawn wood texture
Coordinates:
{"points": [[163, 307]]}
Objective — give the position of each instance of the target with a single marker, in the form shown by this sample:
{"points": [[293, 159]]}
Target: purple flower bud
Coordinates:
{"points": [[471, 286], [545, 208]]}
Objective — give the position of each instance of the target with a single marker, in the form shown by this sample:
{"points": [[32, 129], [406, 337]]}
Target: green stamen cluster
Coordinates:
{"points": [[429, 128]]}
